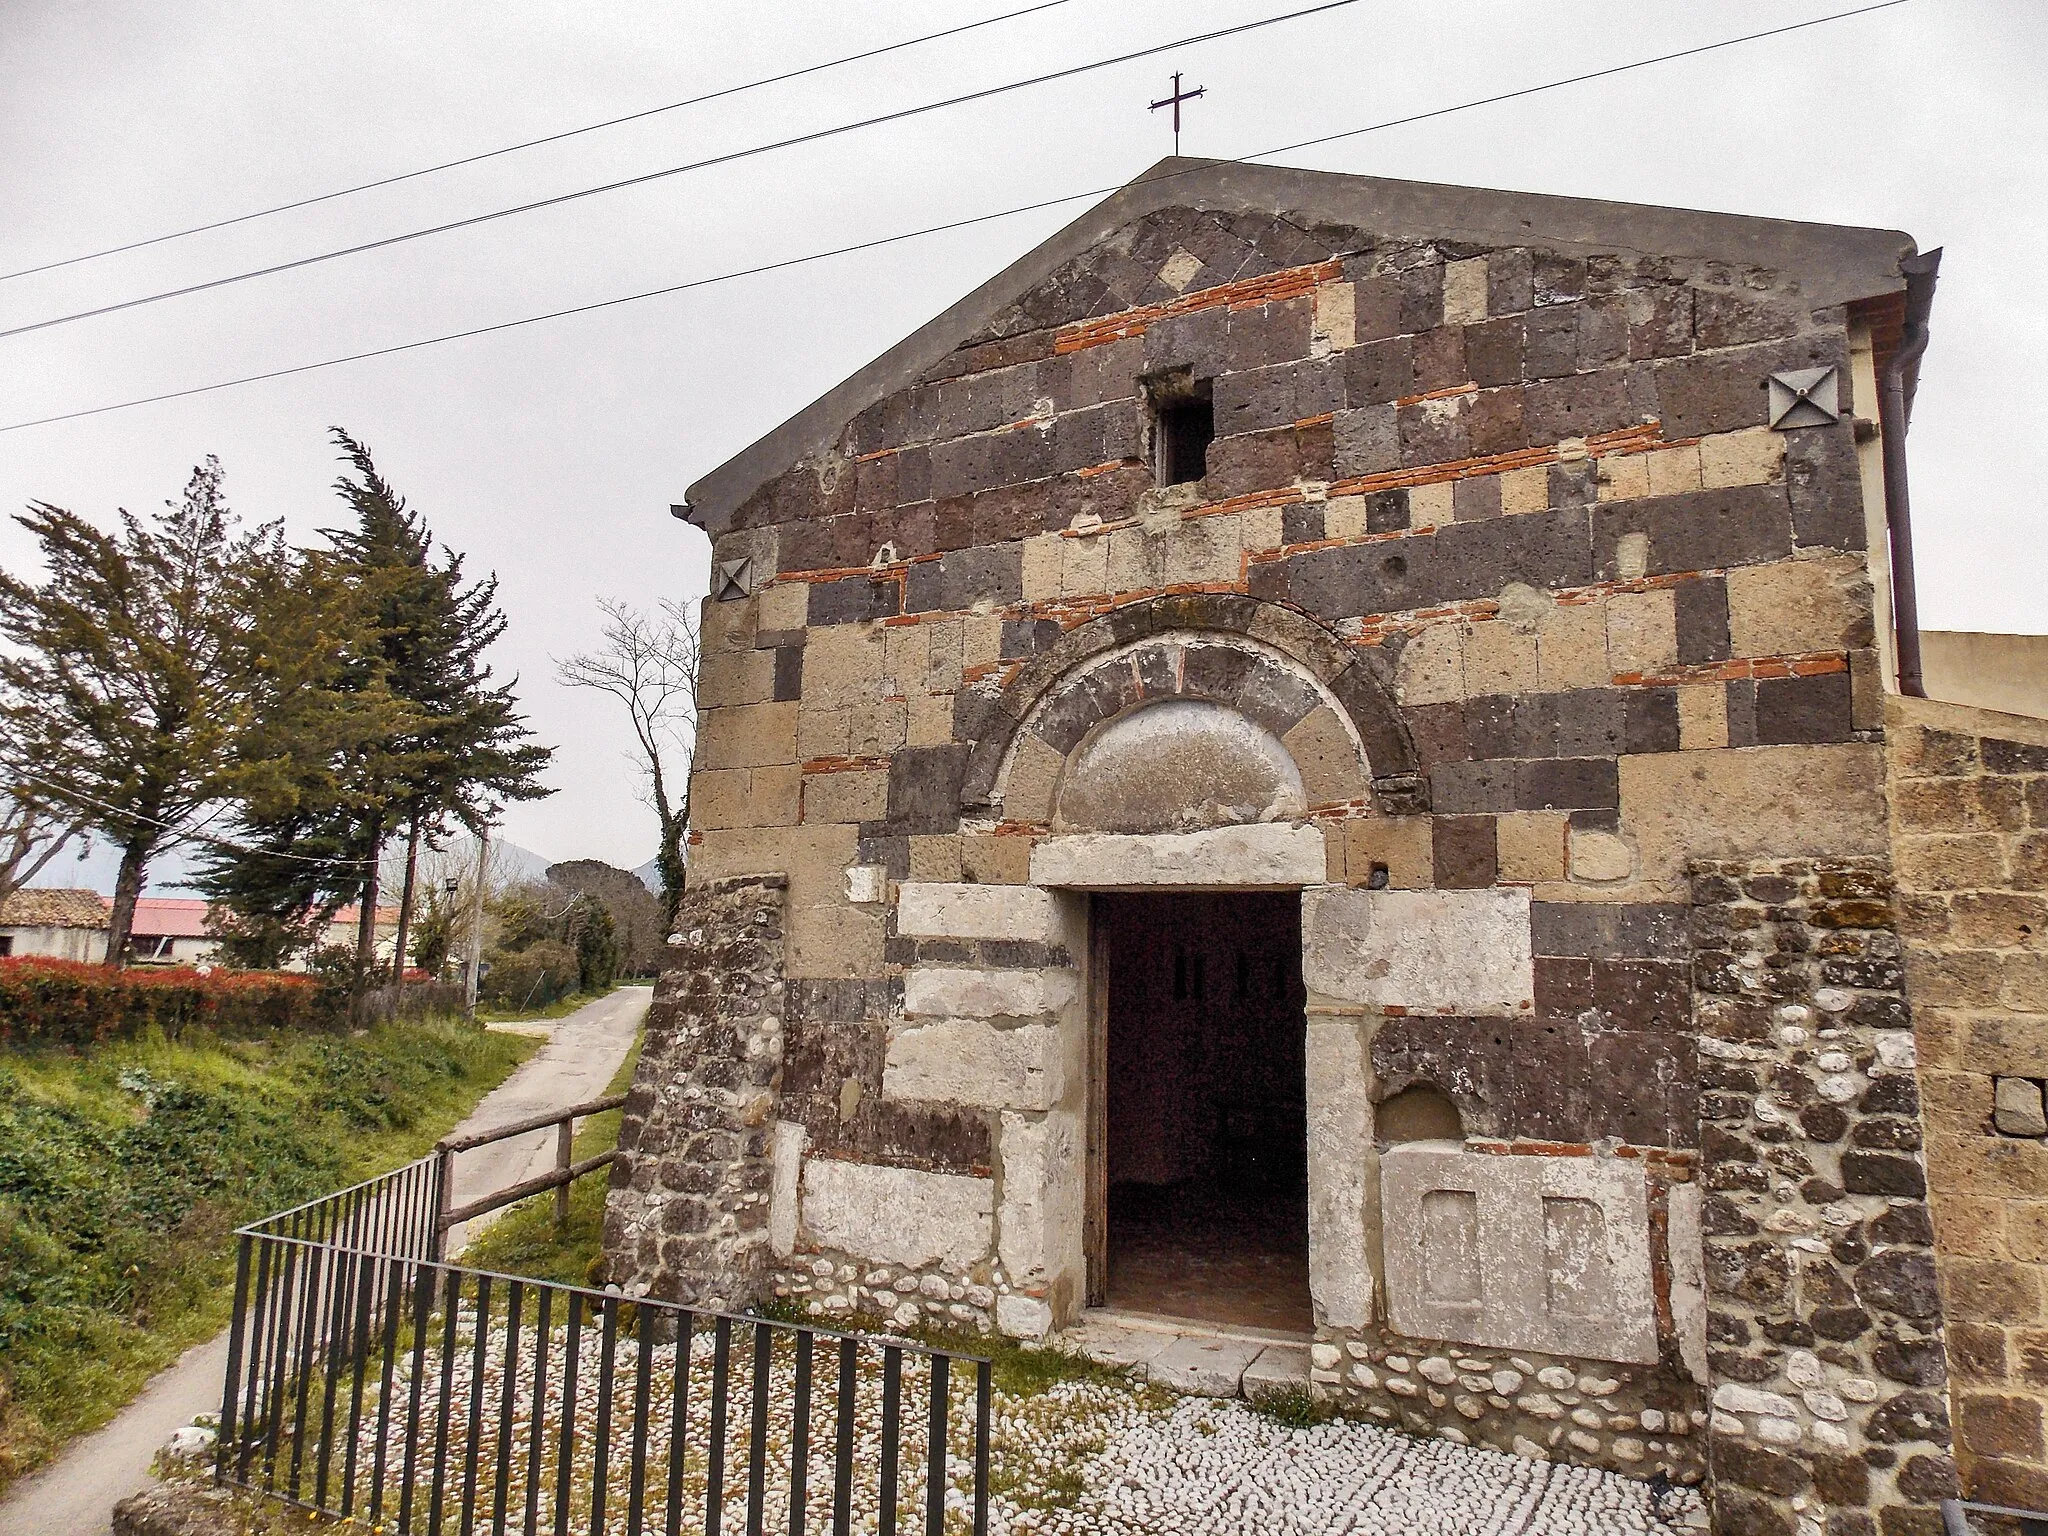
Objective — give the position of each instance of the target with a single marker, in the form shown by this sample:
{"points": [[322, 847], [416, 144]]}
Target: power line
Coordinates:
{"points": [[178, 834], [673, 170], [551, 138], [933, 229]]}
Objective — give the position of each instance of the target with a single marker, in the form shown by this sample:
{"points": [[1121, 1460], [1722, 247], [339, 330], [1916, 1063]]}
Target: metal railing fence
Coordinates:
{"points": [[368, 1379]]}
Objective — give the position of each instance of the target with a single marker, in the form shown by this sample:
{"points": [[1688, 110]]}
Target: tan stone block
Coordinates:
{"points": [[1642, 632], [1429, 506], [878, 729], [823, 733], [774, 795], [1133, 560], [1344, 517], [1261, 528], [841, 940], [1969, 1226], [1465, 291], [814, 858], [906, 651], [1333, 852], [989, 858], [719, 798], [1992, 1291], [1674, 471], [943, 646], [1702, 716], [1084, 566], [2005, 1044], [1336, 316], [1532, 845], [1327, 757], [1938, 1036], [852, 796], [1624, 476], [1988, 1165], [1432, 666], [1034, 774], [935, 857], [785, 605], [982, 640], [1571, 647], [1202, 549], [844, 666], [1401, 843], [1042, 567], [1968, 861], [1500, 657], [747, 735], [2026, 1231], [727, 626], [1959, 805], [931, 719], [1792, 606], [1525, 490], [1796, 801], [736, 677], [1755, 457], [1925, 752]]}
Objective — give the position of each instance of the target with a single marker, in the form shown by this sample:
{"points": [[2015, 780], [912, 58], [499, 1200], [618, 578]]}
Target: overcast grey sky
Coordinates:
{"points": [[550, 454]]}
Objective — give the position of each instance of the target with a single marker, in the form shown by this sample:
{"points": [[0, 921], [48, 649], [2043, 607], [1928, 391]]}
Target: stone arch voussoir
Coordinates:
{"points": [[1350, 677]]}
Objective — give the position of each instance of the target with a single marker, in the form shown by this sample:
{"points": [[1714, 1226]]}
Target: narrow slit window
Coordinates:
{"points": [[1186, 428]]}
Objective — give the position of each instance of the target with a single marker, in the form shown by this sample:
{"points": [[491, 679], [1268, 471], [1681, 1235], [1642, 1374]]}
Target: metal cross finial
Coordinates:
{"points": [[1174, 102]]}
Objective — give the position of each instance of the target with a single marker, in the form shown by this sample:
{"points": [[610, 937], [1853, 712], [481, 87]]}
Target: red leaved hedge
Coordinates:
{"points": [[61, 1002]]}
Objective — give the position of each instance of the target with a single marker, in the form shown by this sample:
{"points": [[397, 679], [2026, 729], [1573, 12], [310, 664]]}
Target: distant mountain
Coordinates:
{"points": [[650, 875], [170, 873]]}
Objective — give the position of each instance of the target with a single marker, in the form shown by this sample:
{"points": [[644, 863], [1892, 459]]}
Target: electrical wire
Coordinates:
{"points": [[179, 834], [673, 170], [551, 138], [933, 229]]}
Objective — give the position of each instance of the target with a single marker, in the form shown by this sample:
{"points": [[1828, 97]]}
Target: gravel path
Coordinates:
{"points": [[1082, 1458], [75, 1495]]}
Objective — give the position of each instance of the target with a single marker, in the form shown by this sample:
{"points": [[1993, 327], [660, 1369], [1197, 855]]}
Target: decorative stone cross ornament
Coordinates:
{"points": [[735, 577], [1805, 397]]}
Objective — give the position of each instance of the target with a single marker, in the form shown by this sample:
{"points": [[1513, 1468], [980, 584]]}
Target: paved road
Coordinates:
{"points": [[75, 1495]]}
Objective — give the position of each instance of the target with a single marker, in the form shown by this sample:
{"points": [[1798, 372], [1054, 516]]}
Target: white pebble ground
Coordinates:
{"points": [[1207, 1468]]}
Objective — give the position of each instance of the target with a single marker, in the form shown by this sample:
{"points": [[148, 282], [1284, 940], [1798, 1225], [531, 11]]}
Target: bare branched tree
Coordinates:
{"points": [[29, 838], [649, 664]]}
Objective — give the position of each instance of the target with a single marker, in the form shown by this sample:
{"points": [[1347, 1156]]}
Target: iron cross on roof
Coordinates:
{"points": [[1174, 102]]}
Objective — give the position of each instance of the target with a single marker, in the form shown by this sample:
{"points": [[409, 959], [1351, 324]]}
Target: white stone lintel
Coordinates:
{"points": [[1262, 856]]}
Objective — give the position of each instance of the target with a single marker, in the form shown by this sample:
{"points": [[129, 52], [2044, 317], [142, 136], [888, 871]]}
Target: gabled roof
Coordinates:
{"points": [[54, 908], [1834, 264]]}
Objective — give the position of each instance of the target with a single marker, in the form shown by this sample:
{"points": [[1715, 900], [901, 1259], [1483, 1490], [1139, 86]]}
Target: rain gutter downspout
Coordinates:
{"points": [[1894, 415]]}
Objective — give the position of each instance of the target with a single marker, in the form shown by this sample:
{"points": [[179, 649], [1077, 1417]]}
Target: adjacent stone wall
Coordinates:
{"points": [[1824, 1318], [1970, 802], [686, 1218]]}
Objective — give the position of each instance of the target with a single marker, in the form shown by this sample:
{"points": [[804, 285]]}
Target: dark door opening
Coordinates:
{"points": [[1202, 1119]]}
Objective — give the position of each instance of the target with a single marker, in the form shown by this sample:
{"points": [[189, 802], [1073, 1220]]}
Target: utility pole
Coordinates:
{"points": [[476, 917]]}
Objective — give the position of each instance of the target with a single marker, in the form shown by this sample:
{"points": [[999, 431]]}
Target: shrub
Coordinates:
{"points": [[61, 1002], [534, 976]]}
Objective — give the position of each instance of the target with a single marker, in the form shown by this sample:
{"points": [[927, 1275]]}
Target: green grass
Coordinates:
{"points": [[560, 1008], [124, 1170], [524, 1240]]}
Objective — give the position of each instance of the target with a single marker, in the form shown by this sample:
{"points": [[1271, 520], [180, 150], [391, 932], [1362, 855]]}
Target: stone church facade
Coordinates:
{"points": [[1361, 708]]}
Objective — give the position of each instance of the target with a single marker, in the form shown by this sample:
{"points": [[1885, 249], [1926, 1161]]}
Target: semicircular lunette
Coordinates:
{"points": [[1177, 765]]}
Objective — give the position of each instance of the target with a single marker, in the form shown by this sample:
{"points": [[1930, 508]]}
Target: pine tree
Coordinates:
{"points": [[467, 750], [134, 673]]}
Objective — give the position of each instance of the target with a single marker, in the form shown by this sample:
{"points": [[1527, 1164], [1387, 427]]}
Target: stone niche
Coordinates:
{"points": [[1470, 1224]]}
